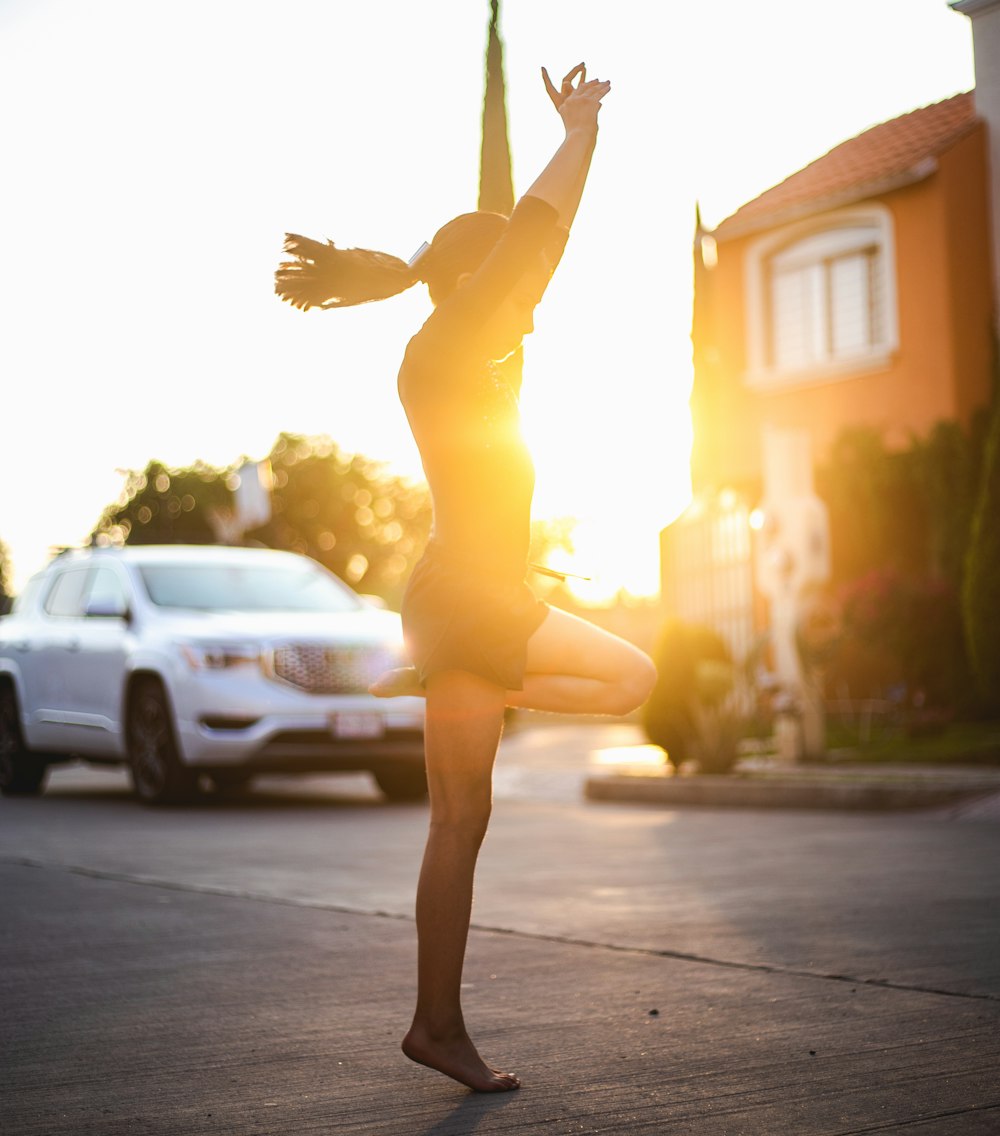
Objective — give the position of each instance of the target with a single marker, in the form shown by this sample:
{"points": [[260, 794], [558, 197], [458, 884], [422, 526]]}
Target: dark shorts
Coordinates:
{"points": [[458, 618]]}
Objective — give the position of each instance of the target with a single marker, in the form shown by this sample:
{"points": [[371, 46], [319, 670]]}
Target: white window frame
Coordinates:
{"points": [[836, 232]]}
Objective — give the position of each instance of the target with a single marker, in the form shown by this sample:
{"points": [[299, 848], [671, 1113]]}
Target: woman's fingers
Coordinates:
{"points": [[567, 83], [550, 88], [595, 89], [590, 88], [566, 88]]}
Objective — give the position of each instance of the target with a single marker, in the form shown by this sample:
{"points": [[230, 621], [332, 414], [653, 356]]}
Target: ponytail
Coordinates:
{"points": [[323, 276]]}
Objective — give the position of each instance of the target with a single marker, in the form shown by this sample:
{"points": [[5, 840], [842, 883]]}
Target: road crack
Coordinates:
{"points": [[486, 928]]}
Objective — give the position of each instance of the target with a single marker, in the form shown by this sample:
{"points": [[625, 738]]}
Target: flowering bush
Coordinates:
{"points": [[902, 632]]}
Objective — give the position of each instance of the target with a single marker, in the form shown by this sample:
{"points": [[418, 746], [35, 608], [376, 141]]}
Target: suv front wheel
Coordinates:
{"points": [[158, 775], [22, 774]]}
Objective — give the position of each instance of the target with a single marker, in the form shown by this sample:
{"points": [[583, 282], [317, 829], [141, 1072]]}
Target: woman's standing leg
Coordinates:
{"points": [[462, 732]]}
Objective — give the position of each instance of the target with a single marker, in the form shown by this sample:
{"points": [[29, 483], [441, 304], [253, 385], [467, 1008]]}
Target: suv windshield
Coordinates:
{"points": [[246, 587]]}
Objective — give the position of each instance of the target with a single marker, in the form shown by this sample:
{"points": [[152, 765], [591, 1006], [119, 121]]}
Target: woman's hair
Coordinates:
{"points": [[324, 276]]}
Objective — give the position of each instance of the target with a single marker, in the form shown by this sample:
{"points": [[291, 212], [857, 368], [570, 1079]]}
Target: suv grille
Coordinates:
{"points": [[331, 670]]}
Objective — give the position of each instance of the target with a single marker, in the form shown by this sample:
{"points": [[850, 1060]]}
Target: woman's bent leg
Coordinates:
{"points": [[463, 727], [575, 667], [572, 667]]}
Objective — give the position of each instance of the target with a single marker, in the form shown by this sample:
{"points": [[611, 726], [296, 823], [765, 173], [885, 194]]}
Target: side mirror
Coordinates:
{"points": [[107, 609]]}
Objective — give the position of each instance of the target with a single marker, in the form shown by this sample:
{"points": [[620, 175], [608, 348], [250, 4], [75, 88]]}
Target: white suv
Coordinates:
{"points": [[201, 661]]}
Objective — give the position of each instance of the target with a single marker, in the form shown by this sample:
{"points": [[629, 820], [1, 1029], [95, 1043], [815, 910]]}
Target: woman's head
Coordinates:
{"points": [[458, 248], [324, 276], [457, 251]]}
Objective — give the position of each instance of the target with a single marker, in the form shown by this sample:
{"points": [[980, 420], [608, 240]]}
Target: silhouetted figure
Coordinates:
{"points": [[478, 638]]}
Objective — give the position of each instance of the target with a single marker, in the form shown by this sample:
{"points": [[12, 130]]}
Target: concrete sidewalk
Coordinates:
{"points": [[136, 1007]]}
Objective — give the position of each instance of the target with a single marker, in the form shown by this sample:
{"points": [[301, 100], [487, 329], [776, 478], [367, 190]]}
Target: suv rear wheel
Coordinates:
{"points": [[22, 774], [158, 775]]}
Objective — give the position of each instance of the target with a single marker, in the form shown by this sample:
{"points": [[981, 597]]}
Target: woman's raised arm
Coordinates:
{"points": [[561, 182]]}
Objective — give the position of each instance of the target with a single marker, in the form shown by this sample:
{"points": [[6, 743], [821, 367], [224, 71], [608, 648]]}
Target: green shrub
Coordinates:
{"points": [[905, 633], [981, 586], [695, 710]]}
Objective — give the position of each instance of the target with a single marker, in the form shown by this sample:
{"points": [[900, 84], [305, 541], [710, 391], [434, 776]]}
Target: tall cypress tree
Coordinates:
{"points": [[496, 176]]}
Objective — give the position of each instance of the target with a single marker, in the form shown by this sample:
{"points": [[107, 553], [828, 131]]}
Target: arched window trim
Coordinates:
{"points": [[762, 373]]}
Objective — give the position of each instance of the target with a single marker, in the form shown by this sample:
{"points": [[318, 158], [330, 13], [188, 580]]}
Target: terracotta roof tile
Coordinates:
{"points": [[860, 167]]}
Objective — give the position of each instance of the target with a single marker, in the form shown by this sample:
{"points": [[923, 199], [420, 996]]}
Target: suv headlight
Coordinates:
{"points": [[219, 656]]}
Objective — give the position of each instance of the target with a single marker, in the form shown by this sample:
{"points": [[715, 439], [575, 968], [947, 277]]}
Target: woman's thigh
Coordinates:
{"points": [[463, 727], [564, 644]]}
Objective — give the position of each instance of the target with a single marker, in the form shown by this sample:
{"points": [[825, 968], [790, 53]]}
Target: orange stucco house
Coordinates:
{"points": [[862, 291], [859, 291]]}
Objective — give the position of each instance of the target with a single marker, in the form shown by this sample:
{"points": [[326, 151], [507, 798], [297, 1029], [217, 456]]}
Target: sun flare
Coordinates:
{"points": [[620, 495]]}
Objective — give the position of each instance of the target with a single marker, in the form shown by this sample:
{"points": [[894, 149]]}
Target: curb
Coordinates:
{"points": [[727, 791]]}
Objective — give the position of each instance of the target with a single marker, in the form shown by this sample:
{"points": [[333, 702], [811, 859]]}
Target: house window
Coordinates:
{"points": [[821, 301]]}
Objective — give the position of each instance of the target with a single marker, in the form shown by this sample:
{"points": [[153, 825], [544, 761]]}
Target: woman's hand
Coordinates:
{"points": [[558, 97], [577, 105], [561, 182]]}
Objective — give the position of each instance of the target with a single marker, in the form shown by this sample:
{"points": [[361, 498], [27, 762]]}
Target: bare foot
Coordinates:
{"points": [[392, 684], [457, 1058]]}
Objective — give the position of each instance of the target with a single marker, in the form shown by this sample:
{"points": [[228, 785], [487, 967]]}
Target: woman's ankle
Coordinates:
{"points": [[437, 1028]]}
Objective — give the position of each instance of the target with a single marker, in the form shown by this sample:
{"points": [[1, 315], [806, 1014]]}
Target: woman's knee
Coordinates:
{"points": [[462, 818], [461, 797], [635, 683]]}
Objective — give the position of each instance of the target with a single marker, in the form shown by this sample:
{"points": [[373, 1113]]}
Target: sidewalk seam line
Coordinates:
{"points": [[485, 928]]}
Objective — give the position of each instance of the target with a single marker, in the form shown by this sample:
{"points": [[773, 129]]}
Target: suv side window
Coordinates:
{"points": [[66, 594], [106, 591]]}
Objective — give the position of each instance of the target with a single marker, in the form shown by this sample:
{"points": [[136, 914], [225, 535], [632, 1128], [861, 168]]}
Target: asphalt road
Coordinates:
{"points": [[745, 924]]}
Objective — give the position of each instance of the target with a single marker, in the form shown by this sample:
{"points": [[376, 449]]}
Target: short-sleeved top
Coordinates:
{"points": [[464, 414]]}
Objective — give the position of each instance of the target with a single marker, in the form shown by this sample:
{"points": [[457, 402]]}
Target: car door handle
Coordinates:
{"points": [[73, 645], [21, 645]]}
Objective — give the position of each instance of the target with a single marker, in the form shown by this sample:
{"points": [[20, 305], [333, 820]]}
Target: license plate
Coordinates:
{"points": [[356, 726]]}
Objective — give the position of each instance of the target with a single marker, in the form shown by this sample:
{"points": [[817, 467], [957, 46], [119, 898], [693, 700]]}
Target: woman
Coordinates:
{"points": [[478, 638]]}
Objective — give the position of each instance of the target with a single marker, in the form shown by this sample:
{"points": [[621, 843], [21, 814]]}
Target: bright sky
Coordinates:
{"points": [[156, 153]]}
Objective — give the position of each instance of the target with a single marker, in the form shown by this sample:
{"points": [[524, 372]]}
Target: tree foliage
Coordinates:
{"points": [[907, 510], [159, 505], [900, 526], [342, 509], [347, 512], [6, 594]]}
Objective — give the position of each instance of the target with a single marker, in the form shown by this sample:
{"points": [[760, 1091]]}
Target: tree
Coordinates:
{"points": [[341, 509], [496, 171], [496, 177], [345, 511], [158, 505]]}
